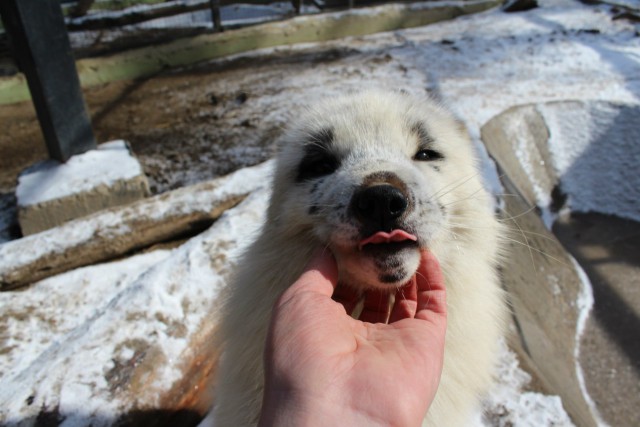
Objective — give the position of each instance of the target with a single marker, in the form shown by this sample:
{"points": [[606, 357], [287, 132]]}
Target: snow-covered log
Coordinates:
{"points": [[117, 231]]}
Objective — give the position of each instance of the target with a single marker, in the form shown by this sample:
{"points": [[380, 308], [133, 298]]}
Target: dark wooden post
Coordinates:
{"points": [[41, 47], [215, 15], [297, 6]]}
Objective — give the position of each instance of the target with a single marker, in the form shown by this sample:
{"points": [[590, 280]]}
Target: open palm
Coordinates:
{"points": [[324, 367]]}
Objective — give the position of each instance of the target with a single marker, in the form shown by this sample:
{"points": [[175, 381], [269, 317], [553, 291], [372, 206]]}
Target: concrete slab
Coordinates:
{"points": [[608, 249], [50, 193], [576, 162]]}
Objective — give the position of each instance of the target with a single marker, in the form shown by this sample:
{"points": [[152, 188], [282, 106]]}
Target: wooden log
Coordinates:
{"points": [[117, 231]]}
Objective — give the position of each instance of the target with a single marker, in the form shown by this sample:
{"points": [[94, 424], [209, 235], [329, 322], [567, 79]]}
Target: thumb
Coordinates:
{"points": [[432, 293]]}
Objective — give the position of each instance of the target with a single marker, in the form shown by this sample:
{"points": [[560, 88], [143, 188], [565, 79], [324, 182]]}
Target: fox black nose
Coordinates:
{"points": [[379, 206]]}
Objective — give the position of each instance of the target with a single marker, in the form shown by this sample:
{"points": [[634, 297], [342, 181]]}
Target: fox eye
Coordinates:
{"points": [[316, 165], [427, 155], [425, 140], [318, 159]]}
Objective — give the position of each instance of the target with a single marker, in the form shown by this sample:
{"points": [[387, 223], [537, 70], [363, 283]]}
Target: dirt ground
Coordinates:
{"points": [[184, 126], [174, 120], [190, 125]]}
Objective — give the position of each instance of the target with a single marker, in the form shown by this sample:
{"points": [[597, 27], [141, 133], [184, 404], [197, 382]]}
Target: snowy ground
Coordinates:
{"points": [[104, 293], [479, 65]]}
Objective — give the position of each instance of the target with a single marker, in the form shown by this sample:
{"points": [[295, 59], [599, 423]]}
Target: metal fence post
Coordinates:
{"points": [[41, 47]]}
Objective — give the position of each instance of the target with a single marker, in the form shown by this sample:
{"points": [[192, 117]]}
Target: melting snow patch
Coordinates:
{"points": [[510, 404], [43, 314]]}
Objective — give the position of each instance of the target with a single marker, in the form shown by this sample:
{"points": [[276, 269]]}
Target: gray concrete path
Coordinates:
{"points": [[608, 249]]}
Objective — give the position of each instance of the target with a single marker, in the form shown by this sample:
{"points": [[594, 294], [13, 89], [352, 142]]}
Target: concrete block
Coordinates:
{"points": [[51, 193], [517, 139]]}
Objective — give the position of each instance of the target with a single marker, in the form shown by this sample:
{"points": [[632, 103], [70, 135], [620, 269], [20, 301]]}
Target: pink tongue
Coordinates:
{"points": [[382, 237]]}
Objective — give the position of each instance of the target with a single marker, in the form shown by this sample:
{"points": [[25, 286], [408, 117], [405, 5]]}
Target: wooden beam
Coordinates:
{"points": [[41, 48]]}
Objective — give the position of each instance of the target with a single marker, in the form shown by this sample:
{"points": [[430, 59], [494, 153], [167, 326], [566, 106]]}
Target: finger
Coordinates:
{"points": [[376, 307], [406, 302], [347, 296], [431, 290], [320, 275]]}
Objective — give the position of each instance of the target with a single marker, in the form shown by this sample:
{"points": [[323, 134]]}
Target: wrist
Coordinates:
{"points": [[285, 409]]}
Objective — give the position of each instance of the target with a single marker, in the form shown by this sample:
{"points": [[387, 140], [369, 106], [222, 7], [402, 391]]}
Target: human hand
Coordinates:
{"points": [[323, 367]]}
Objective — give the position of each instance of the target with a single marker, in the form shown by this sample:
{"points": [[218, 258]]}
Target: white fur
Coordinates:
{"points": [[452, 216]]}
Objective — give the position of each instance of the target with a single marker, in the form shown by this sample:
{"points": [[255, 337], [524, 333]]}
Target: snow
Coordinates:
{"points": [[160, 300], [51, 180], [584, 135], [479, 66], [493, 61], [584, 303], [511, 404], [41, 317]]}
